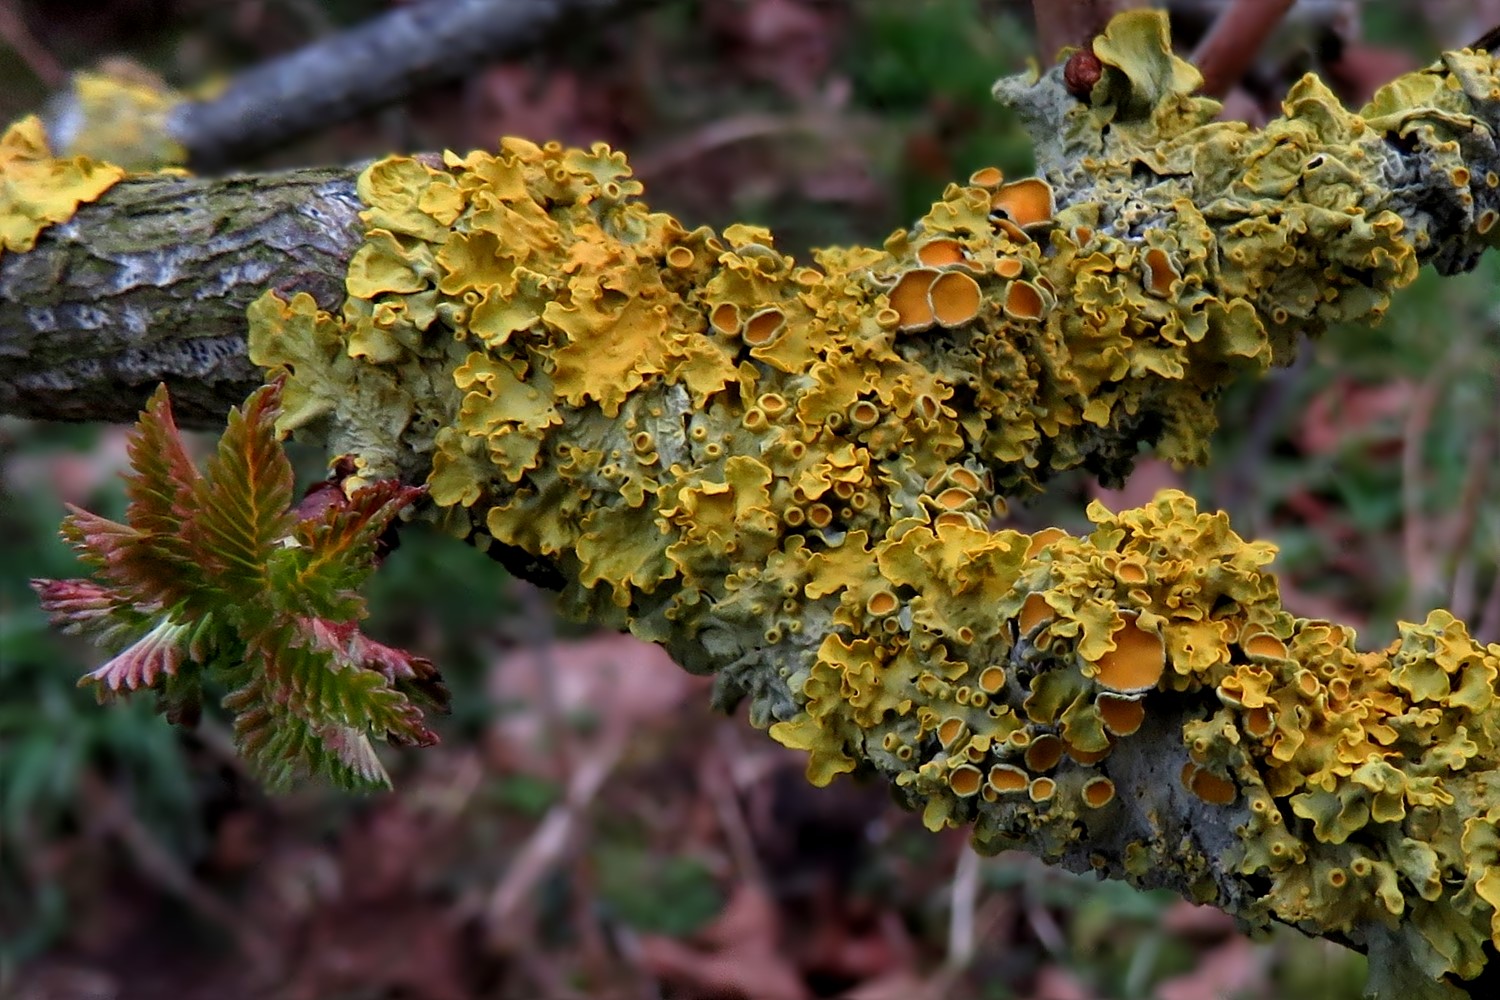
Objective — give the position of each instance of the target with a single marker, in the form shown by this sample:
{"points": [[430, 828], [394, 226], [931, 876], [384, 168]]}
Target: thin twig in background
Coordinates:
{"points": [[549, 842], [964, 900], [369, 66], [1487, 628], [717, 779], [1460, 543], [1231, 45], [18, 37], [116, 815]]}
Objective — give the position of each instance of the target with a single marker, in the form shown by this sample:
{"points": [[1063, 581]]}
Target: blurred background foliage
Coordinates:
{"points": [[588, 828]]}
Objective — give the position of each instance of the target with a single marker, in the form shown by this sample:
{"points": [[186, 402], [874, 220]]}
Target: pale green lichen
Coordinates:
{"points": [[785, 473]]}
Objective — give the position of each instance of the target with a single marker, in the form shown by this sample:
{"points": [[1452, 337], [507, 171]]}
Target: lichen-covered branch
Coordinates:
{"points": [[785, 474]]}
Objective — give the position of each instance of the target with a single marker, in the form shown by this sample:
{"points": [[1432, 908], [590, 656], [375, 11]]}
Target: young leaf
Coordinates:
{"points": [[217, 575]]}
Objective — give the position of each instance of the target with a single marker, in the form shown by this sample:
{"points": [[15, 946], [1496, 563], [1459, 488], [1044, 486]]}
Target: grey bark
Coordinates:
{"points": [[151, 283], [368, 67]]}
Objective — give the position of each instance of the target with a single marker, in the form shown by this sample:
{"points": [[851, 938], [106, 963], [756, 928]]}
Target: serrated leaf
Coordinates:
{"points": [[243, 503], [337, 546], [81, 607], [124, 556], [144, 663], [216, 572], [160, 483]]}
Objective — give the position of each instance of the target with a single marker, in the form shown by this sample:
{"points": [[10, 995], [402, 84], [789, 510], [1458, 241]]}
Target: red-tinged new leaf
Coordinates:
{"points": [[161, 479], [146, 663], [85, 608], [130, 559], [243, 503], [415, 676], [338, 545]]}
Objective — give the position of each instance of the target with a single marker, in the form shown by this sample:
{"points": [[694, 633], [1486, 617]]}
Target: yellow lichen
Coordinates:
{"points": [[38, 190], [785, 472], [119, 115]]}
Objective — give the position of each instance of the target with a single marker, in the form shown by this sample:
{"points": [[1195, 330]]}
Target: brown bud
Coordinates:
{"points": [[1081, 72]]}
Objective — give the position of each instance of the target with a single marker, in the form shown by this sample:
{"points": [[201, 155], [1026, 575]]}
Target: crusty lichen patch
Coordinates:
{"points": [[785, 472], [38, 190]]}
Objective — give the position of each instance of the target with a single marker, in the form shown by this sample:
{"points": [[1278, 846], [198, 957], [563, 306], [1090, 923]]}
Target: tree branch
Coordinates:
{"points": [[349, 73], [151, 284], [1236, 38], [784, 473]]}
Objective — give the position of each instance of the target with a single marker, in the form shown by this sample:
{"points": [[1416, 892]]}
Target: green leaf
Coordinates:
{"points": [[217, 574], [242, 507], [338, 545]]}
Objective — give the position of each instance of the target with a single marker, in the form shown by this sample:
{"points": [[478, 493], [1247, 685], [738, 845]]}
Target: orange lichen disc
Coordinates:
{"points": [[1259, 722], [680, 257], [1121, 715], [1098, 792], [1025, 202], [992, 680], [1137, 661], [764, 326], [950, 730], [882, 602], [1008, 778], [909, 299], [1023, 301], [1131, 572], [1264, 644], [963, 477], [1042, 789], [1010, 229], [955, 298], [1044, 753], [1088, 756], [864, 414], [953, 498], [1208, 786], [987, 177], [1009, 267], [1042, 539], [936, 253], [965, 779], [1034, 612], [1160, 272], [726, 318]]}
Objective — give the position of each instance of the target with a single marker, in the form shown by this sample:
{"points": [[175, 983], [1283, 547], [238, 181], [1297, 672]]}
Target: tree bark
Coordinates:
{"points": [[151, 283]]}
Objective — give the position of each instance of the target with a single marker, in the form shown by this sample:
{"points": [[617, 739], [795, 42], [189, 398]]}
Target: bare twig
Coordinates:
{"points": [[1421, 560], [153, 860], [550, 840], [18, 37], [961, 915], [367, 67], [1480, 456], [1231, 45]]}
